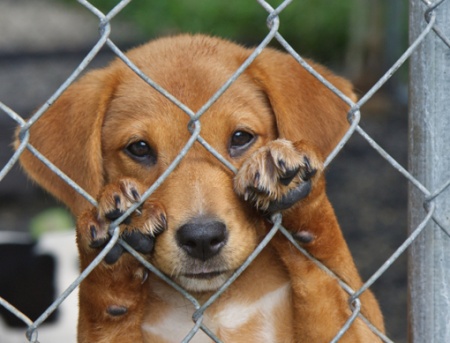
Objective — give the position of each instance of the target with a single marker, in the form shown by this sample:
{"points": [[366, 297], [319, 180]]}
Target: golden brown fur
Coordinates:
{"points": [[293, 121]]}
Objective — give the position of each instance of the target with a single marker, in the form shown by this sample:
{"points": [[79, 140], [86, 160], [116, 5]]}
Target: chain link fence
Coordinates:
{"points": [[429, 21]]}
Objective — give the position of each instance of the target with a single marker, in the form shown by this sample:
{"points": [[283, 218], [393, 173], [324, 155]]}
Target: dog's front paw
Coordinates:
{"points": [[277, 175], [139, 229]]}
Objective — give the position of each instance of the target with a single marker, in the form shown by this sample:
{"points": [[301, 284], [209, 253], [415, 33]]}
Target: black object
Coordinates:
{"points": [[27, 281]]}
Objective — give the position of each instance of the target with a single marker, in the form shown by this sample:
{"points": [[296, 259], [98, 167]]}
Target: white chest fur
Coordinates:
{"points": [[234, 318]]}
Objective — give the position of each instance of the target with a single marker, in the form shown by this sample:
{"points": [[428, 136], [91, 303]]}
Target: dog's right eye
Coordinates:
{"points": [[141, 152], [239, 142]]}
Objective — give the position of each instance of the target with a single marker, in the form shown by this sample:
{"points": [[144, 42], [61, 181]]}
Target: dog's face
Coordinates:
{"points": [[210, 230], [121, 127]]}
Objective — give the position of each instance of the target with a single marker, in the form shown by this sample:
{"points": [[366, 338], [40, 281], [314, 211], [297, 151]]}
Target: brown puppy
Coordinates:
{"points": [[114, 135]]}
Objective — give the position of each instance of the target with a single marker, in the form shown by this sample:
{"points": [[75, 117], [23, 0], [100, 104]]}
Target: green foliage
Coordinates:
{"points": [[317, 28], [51, 220]]}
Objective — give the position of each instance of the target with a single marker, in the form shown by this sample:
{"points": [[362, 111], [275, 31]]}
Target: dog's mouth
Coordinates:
{"points": [[204, 275], [203, 280]]}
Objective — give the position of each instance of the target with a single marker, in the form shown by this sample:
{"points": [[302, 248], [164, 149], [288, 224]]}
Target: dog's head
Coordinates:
{"points": [[111, 124]]}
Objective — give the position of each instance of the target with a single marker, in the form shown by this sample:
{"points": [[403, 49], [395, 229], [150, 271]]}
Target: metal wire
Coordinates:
{"points": [[194, 128]]}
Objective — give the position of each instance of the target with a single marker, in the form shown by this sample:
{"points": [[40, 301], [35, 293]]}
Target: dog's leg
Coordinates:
{"points": [[113, 296], [286, 176]]}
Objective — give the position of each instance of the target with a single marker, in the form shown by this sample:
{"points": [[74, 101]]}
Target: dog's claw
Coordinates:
{"points": [[93, 232], [115, 310], [304, 237], [256, 180], [117, 201], [289, 175], [163, 222], [135, 195], [159, 230], [95, 240], [309, 171]]}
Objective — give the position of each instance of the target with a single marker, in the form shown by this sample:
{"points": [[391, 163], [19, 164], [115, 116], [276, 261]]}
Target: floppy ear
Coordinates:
{"points": [[68, 134], [304, 108]]}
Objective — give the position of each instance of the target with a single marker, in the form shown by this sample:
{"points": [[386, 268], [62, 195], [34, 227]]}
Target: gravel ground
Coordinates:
{"points": [[41, 43]]}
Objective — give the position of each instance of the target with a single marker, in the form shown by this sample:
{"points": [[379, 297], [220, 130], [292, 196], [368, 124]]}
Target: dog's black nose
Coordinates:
{"points": [[203, 238]]}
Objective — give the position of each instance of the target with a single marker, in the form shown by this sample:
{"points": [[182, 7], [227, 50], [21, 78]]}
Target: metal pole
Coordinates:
{"points": [[429, 162]]}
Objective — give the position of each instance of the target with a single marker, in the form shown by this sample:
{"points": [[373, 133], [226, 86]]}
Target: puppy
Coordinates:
{"points": [[114, 135]]}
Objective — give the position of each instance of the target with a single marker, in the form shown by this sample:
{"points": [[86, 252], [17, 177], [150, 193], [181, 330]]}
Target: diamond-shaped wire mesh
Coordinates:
{"points": [[431, 197]]}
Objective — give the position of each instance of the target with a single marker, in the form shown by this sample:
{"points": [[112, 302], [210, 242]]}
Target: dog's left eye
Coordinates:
{"points": [[240, 140], [141, 152]]}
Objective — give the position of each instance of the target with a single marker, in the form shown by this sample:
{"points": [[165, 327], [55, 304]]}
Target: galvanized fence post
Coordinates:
{"points": [[429, 162]]}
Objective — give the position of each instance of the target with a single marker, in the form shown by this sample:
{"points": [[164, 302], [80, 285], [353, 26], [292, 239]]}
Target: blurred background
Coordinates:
{"points": [[43, 41]]}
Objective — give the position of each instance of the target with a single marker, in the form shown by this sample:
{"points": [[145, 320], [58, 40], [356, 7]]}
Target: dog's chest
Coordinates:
{"points": [[237, 318]]}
